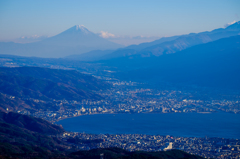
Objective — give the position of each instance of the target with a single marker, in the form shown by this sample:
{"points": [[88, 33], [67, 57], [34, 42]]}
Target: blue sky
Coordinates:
{"points": [[121, 18]]}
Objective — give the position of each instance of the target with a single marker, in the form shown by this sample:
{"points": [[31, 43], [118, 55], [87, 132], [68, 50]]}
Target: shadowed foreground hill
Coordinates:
{"points": [[25, 136], [45, 83], [30, 123]]}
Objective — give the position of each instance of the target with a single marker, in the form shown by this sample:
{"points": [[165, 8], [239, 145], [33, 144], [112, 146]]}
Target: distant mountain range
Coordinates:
{"points": [[45, 84], [174, 44], [214, 64], [75, 40], [165, 45]]}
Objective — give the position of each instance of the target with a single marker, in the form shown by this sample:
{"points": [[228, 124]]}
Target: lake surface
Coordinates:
{"points": [[223, 125]]}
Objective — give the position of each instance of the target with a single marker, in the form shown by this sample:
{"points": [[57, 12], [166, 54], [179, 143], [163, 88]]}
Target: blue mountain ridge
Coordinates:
{"points": [[174, 44], [214, 64]]}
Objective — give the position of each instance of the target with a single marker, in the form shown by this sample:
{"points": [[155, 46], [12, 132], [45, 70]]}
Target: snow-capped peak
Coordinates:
{"points": [[78, 29], [81, 28]]}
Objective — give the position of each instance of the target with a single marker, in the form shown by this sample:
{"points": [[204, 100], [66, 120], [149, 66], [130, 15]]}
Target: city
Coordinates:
{"points": [[127, 97], [205, 147]]}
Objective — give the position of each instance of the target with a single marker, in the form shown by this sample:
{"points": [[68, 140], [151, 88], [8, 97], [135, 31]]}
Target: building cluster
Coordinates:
{"points": [[131, 99], [205, 147]]}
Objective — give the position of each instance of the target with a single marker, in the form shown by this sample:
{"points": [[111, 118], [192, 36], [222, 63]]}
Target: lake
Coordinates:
{"points": [[224, 125]]}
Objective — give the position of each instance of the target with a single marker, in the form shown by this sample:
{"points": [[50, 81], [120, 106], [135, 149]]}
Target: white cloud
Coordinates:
{"points": [[106, 34], [29, 39], [228, 24], [33, 37]]}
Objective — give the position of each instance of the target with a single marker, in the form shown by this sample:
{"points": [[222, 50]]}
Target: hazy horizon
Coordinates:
{"points": [[115, 20]]}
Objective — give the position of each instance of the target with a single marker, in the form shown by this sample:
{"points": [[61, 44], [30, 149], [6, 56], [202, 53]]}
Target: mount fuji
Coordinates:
{"points": [[76, 40]]}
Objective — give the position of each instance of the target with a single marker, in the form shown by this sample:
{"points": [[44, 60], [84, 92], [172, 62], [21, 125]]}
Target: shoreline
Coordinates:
{"points": [[135, 113], [82, 115], [138, 113], [141, 113]]}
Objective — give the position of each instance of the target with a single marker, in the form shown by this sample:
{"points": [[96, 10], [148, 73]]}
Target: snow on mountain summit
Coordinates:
{"points": [[82, 27], [78, 29]]}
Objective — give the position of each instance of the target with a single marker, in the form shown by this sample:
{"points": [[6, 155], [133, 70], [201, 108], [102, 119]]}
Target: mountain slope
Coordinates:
{"points": [[17, 103], [75, 40], [44, 83], [102, 54], [155, 42]]}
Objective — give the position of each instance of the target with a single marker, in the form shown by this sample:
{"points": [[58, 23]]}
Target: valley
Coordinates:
{"points": [[195, 75]]}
